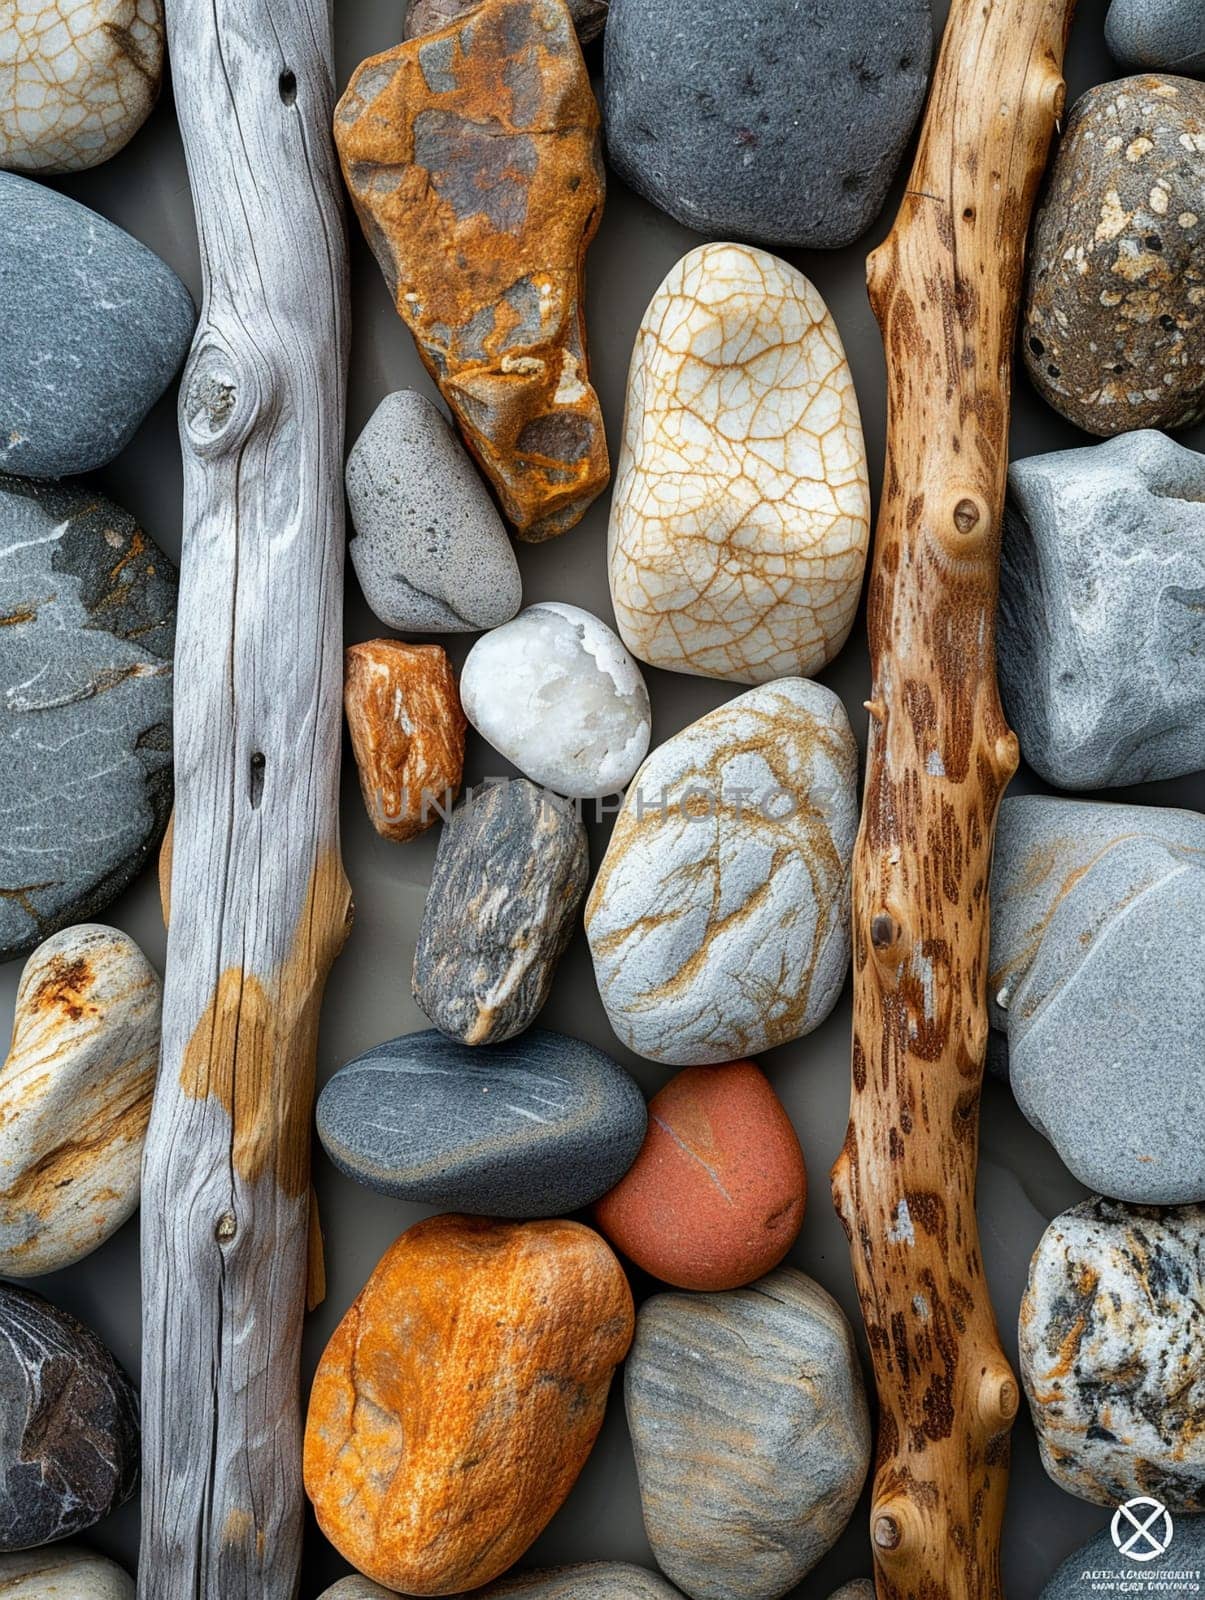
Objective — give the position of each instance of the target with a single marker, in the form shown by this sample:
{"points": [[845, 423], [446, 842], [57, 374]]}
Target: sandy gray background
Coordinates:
{"points": [[1022, 1182]]}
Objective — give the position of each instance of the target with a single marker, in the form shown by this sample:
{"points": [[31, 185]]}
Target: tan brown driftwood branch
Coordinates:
{"points": [[259, 901], [945, 287]]}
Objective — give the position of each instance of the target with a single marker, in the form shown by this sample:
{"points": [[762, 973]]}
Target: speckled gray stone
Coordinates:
{"points": [[1164, 35], [95, 328], [68, 1424], [1113, 329], [859, 1589], [65, 1572], [590, 1580], [764, 119], [1099, 1568], [751, 1433], [430, 551], [1101, 640], [534, 1128], [509, 874], [719, 919], [1098, 923], [1113, 1352], [88, 602]]}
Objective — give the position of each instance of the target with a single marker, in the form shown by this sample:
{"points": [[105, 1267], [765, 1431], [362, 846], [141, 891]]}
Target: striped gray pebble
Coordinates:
{"points": [[751, 1433], [590, 1580]]}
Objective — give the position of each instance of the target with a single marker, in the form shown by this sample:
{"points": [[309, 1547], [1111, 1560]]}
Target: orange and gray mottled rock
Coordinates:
{"points": [[77, 79], [75, 1097], [1114, 329], [473, 159], [741, 510], [458, 1399], [429, 16], [1112, 1347], [407, 732], [509, 874], [719, 919]]}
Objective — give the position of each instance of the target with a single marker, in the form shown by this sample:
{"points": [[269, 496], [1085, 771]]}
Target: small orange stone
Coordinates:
{"points": [[474, 162], [716, 1196], [458, 1399], [407, 732]]}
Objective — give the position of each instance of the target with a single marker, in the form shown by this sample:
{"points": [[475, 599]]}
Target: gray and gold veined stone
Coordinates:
{"points": [[510, 871], [1114, 320], [719, 919], [88, 606], [1113, 1352], [751, 1433]]}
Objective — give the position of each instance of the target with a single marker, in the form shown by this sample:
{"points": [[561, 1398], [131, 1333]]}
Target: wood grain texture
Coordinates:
{"points": [[945, 287], [260, 904]]}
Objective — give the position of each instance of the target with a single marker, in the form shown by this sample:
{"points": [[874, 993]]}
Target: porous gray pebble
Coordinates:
{"points": [[95, 328], [859, 1589], [430, 550], [751, 1433], [509, 874], [755, 120], [1098, 923], [89, 604], [68, 1424], [1100, 1567], [535, 1128], [1113, 1352], [1163, 35], [63, 1572], [1102, 630]]}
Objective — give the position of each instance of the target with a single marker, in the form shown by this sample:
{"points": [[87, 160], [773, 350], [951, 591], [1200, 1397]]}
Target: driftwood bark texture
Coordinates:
{"points": [[260, 904], [945, 286]]}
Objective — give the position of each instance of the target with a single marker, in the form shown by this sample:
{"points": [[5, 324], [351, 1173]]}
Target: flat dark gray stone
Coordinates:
{"points": [[534, 1128], [768, 120], [95, 328], [88, 603], [1100, 1568], [68, 1424]]}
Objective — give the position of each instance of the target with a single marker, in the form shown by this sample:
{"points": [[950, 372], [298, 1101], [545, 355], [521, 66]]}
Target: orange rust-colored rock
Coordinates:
{"points": [[407, 732], [460, 1396], [474, 162], [717, 1194]]}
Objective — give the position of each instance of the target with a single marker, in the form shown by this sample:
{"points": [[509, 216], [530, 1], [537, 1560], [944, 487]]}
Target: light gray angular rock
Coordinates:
{"points": [[430, 551], [556, 693], [1163, 35], [62, 1572], [510, 871], [719, 919], [1098, 923], [1113, 1352], [1100, 1568], [588, 1580], [1102, 611], [751, 1433], [89, 607], [75, 1097]]}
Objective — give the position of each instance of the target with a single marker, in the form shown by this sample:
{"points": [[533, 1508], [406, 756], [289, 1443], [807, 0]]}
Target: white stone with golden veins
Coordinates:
{"points": [[77, 79], [741, 510]]}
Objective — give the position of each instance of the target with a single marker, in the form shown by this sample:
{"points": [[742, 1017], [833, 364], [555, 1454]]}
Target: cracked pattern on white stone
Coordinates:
{"points": [[741, 512], [719, 920], [77, 79]]}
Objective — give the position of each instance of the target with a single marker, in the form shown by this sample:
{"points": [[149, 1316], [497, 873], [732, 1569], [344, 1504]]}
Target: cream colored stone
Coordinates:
{"points": [[64, 1572], [77, 79], [75, 1097], [741, 511]]}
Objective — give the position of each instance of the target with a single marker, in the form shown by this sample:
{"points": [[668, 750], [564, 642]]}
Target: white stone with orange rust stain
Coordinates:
{"points": [[75, 1097], [77, 79], [719, 920], [1112, 1346], [741, 511]]}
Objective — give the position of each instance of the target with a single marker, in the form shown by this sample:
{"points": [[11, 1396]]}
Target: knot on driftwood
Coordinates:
{"points": [[219, 402]]}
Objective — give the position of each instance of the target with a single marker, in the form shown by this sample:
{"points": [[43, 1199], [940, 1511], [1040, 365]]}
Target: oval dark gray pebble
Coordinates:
{"points": [[69, 1432], [534, 1128]]}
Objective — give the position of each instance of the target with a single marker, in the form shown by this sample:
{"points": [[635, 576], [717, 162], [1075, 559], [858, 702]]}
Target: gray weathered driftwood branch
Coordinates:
{"points": [[260, 904]]}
